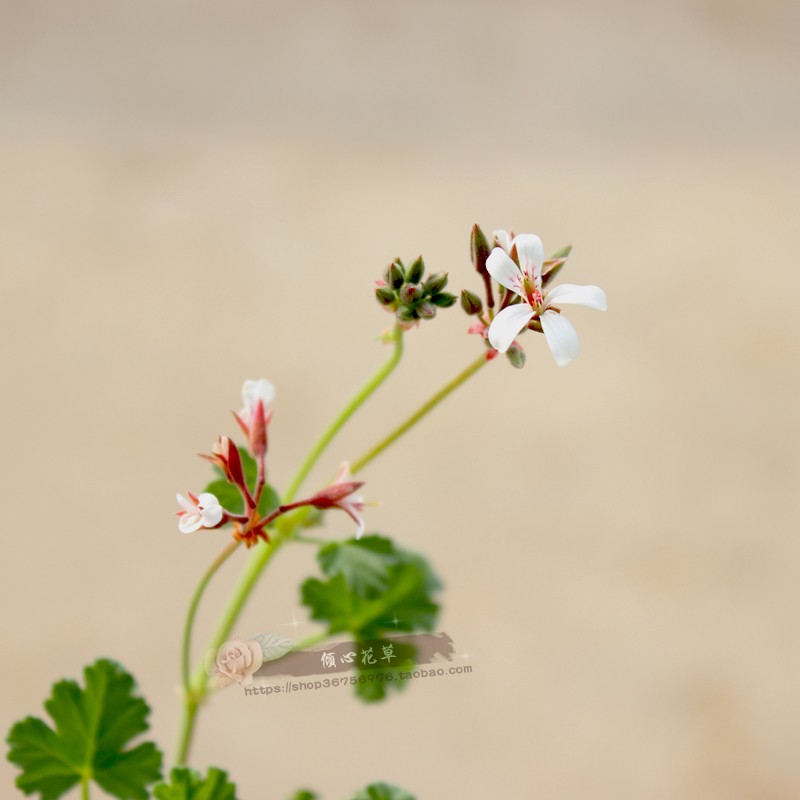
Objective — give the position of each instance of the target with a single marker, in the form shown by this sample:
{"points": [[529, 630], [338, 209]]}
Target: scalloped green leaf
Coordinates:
{"points": [[187, 784], [383, 791], [375, 681], [92, 726], [372, 587], [363, 563]]}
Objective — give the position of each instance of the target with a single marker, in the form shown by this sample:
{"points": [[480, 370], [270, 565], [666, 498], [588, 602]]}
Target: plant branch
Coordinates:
{"points": [[429, 405]]}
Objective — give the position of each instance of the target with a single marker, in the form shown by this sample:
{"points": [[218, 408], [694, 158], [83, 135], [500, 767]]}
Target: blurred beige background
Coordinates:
{"points": [[196, 193]]}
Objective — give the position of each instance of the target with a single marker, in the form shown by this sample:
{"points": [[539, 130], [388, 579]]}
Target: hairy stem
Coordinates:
{"points": [[195, 602], [187, 729], [369, 387], [429, 405]]}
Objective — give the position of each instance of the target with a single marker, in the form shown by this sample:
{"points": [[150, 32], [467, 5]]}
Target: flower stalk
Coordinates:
{"points": [[426, 407], [396, 337]]}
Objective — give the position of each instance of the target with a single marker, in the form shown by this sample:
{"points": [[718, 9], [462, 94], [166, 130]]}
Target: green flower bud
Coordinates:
{"points": [[409, 293], [435, 283], [405, 314], [385, 295], [443, 299], [516, 356], [553, 265], [479, 249], [470, 302], [395, 274], [416, 271], [562, 253], [426, 310]]}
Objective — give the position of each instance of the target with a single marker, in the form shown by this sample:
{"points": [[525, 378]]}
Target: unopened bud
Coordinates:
{"points": [[231, 451], [334, 494], [405, 314], [395, 274], [416, 271], [479, 249], [516, 356], [470, 302], [435, 283], [258, 430], [385, 295], [443, 299], [426, 310], [409, 293], [553, 265]]}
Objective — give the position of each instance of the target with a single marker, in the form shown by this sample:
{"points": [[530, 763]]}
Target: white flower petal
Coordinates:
{"points": [[590, 296], [530, 252], [186, 505], [503, 239], [361, 528], [507, 324], [344, 475], [353, 512], [207, 500], [189, 523], [561, 337], [253, 391], [500, 266], [211, 516]]}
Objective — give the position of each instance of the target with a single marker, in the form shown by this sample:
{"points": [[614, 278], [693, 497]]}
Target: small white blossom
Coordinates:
{"points": [[525, 280], [198, 512], [252, 392]]}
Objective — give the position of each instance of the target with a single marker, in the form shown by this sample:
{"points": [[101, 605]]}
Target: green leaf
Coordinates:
{"points": [[373, 586], [228, 495], [305, 794], [383, 791], [373, 682], [330, 602], [92, 726], [361, 562], [186, 784], [269, 501], [231, 498]]}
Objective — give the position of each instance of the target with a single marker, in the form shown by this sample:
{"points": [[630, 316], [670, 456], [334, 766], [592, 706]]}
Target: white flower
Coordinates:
{"points": [[252, 392], [198, 512], [504, 239], [526, 281]]}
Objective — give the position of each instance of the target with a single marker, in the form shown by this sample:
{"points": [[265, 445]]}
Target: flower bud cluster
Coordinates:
{"points": [[404, 293]]}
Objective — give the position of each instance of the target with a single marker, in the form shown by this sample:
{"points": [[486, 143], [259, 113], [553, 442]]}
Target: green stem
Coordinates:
{"points": [[262, 555], [187, 729], [369, 387], [190, 702], [434, 401], [196, 686], [198, 593], [84, 788]]}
